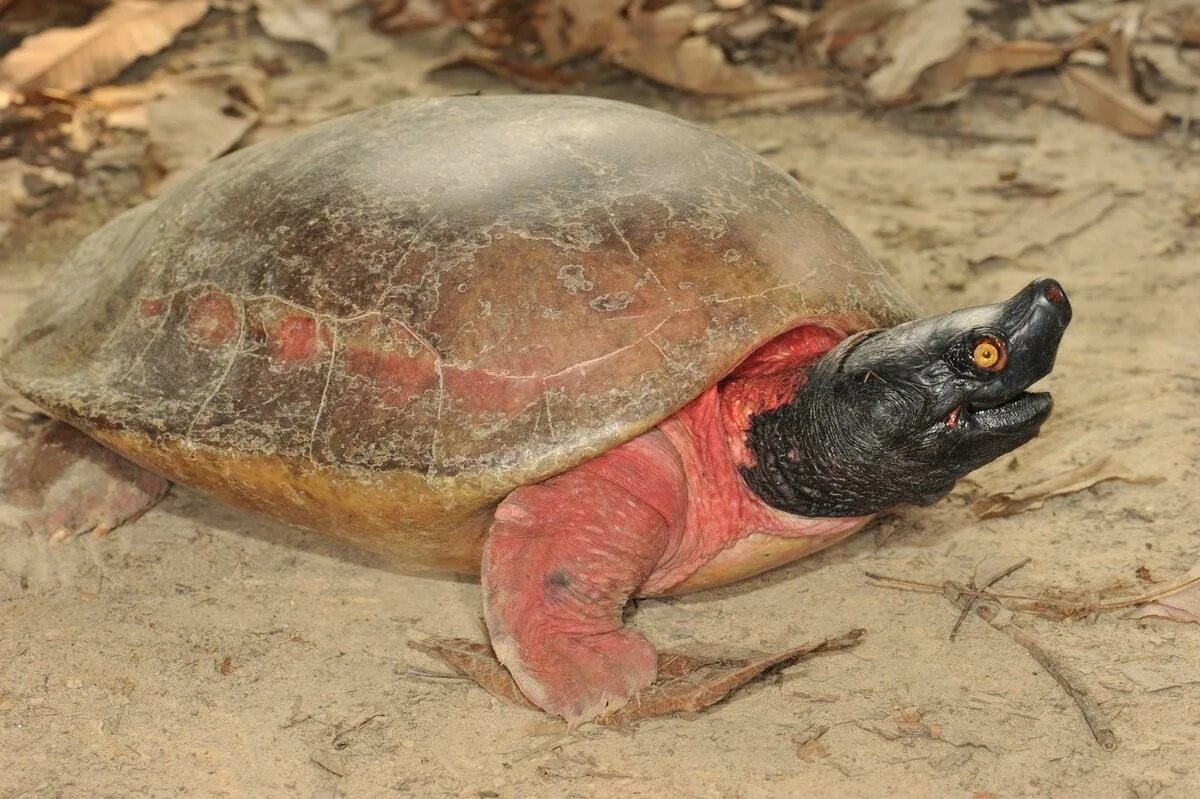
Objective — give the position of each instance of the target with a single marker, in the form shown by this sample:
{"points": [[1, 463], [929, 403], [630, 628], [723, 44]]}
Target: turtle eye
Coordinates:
{"points": [[989, 354]]}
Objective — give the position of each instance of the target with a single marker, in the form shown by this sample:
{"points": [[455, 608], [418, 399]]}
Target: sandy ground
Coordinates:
{"points": [[201, 651]]}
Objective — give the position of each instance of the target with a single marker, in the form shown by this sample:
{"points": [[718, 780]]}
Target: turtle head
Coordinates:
{"points": [[899, 415]]}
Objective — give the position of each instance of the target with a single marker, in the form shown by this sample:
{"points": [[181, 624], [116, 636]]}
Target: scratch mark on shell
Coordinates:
{"points": [[220, 382], [613, 222], [333, 352]]}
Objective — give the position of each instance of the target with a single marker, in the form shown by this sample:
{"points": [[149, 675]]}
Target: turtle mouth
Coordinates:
{"points": [[1027, 410]]}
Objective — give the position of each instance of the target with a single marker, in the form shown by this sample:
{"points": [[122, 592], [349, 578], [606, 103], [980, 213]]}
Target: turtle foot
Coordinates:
{"points": [[685, 683], [580, 678], [62, 484]]}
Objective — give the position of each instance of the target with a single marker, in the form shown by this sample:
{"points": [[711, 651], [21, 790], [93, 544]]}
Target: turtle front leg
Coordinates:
{"points": [[561, 561], [63, 484]]}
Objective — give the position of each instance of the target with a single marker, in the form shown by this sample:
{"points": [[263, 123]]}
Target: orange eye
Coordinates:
{"points": [[989, 355]]}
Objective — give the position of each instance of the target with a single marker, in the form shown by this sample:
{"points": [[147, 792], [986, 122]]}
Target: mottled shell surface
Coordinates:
{"points": [[380, 326]]}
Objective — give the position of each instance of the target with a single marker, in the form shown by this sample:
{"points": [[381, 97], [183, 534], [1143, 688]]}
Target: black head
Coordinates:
{"points": [[899, 415]]}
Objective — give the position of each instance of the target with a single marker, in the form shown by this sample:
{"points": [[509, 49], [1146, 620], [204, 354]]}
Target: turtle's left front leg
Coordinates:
{"points": [[561, 561], [64, 484], [557, 573]]}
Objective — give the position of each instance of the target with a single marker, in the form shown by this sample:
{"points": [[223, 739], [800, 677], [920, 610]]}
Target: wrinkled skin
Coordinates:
{"points": [[898, 416]]}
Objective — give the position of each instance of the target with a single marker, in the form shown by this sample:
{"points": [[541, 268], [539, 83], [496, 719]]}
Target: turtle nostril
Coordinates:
{"points": [[1054, 293]]}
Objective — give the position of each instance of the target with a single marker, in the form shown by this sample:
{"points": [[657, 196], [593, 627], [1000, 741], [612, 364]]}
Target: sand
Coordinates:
{"points": [[202, 651]]}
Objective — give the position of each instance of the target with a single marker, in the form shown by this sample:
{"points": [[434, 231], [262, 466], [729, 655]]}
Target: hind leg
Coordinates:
{"points": [[62, 484]]}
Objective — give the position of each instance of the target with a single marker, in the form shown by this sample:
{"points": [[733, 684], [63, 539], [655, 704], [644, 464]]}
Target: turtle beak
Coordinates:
{"points": [[1033, 323]]}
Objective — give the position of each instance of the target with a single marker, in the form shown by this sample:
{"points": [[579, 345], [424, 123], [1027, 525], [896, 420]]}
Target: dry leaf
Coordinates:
{"points": [[1173, 22], [306, 21], [1169, 80], [660, 46], [70, 59], [840, 23], [774, 101], [567, 29], [395, 16], [1040, 224], [988, 59], [685, 683], [988, 570], [124, 106], [927, 35], [1154, 676], [526, 74], [1101, 99], [1050, 22], [1032, 497], [201, 118], [1182, 606], [1190, 32], [477, 661]]}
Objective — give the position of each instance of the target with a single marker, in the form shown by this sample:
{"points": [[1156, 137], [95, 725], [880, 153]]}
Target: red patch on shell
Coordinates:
{"points": [[298, 339], [212, 319], [397, 376], [477, 390], [151, 306]]}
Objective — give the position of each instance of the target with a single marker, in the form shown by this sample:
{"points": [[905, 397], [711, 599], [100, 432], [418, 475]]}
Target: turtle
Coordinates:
{"points": [[585, 349]]}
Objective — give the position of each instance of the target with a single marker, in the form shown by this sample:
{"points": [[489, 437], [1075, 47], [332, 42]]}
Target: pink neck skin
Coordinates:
{"points": [[727, 531]]}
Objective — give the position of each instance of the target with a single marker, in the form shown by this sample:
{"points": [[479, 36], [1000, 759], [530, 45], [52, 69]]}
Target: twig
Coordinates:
{"points": [[993, 614], [342, 739], [1116, 604], [971, 599]]}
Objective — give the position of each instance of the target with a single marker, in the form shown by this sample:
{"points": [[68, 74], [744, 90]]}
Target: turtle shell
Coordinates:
{"points": [[379, 327]]}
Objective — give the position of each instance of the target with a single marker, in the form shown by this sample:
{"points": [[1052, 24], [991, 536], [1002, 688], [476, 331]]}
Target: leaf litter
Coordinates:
{"points": [[881, 52], [71, 59], [1031, 495], [686, 683], [1182, 605], [1133, 67]]}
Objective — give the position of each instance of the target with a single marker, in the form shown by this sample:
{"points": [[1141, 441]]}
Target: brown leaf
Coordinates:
{"points": [[660, 46], [688, 684], [1182, 606], [1050, 22], [70, 59], [1040, 224], [568, 29], [526, 74], [201, 118], [1101, 99], [22, 18], [1169, 80], [927, 35], [124, 105], [1173, 22], [988, 59], [1190, 32], [774, 101], [685, 683], [842, 23], [305, 21], [476, 660], [396, 16], [1031, 497]]}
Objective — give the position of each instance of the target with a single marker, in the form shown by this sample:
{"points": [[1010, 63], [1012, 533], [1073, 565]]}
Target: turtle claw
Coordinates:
{"points": [[63, 485], [685, 683]]}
